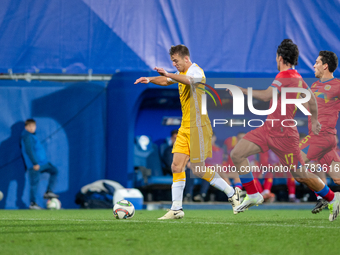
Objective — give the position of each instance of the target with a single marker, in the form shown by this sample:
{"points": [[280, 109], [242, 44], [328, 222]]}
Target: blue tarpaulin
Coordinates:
{"points": [[71, 124], [74, 36], [128, 39]]}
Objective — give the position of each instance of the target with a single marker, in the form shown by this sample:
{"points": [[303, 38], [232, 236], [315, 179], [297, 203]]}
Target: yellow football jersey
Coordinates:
{"points": [[191, 99]]}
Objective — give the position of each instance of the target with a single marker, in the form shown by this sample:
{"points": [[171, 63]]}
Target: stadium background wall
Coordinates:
{"points": [[89, 127]]}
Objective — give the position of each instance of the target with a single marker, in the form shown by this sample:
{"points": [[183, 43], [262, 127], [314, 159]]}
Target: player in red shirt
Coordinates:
{"points": [[281, 136], [323, 147]]}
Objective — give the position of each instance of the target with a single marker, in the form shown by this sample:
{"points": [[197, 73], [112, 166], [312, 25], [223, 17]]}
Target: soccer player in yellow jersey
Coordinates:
{"points": [[194, 136]]}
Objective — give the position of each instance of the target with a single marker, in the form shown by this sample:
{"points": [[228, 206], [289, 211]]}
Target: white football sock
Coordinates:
{"points": [[177, 194], [222, 185]]}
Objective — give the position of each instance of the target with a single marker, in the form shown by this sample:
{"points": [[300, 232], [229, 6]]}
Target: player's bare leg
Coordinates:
{"points": [[237, 179], [314, 183], [178, 171], [334, 172], [218, 182], [309, 179], [239, 155], [304, 157], [322, 176], [321, 202], [238, 186]]}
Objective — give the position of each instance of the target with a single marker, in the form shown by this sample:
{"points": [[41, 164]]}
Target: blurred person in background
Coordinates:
{"points": [[167, 155], [36, 163]]}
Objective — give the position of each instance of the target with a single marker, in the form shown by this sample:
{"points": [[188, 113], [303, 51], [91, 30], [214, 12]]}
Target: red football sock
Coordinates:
{"points": [[250, 187], [258, 185], [291, 185], [268, 183], [330, 196]]}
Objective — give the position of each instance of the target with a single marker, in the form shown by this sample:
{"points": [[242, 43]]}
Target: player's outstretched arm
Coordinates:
{"points": [[306, 105], [263, 95], [187, 80], [160, 80]]}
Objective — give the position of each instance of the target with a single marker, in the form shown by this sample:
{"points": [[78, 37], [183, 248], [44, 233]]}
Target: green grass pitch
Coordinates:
{"points": [[200, 232]]}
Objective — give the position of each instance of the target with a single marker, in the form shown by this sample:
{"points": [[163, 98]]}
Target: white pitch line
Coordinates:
{"points": [[191, 222], [235, 223], [31, 219]]}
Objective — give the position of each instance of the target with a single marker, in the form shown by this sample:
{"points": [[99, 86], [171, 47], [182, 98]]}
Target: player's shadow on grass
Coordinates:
{"points": [[12, 168]]}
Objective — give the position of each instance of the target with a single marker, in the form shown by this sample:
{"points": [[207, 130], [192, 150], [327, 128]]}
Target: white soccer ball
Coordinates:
{"points": [[53, 204], [1, 195], [123, 210]]}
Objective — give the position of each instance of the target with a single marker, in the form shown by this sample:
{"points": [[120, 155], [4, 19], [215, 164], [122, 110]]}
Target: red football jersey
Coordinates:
{"points": [[230, 143], [327, 95], [289, 78]]}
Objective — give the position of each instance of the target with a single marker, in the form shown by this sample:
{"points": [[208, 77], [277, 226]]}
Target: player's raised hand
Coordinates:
{"points": [[142, 80], [230, 93], [244, 91], [316, 127], [161, 71]]}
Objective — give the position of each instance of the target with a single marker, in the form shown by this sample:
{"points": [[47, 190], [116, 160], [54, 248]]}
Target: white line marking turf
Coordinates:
{"points": [[185, 222]]}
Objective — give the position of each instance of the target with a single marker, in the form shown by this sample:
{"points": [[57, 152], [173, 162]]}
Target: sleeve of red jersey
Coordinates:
{"points": [[278, 82], [338, 94]]}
